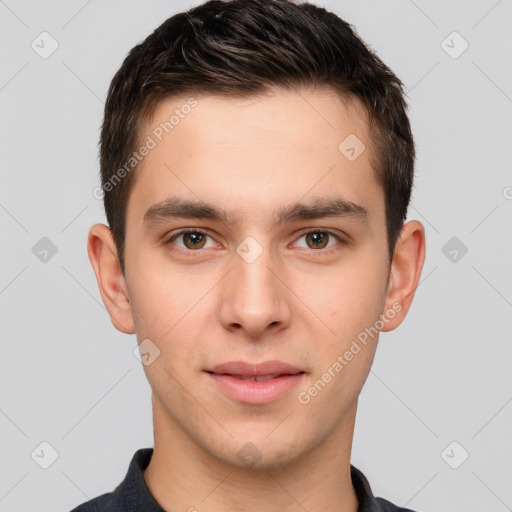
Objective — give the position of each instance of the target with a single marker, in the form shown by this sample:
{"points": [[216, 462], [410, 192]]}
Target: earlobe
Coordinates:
{"points": [[111, 283], [405, 273]]}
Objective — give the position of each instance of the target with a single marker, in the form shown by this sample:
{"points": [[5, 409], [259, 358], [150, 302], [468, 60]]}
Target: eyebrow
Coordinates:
{"points": [[175, 207]]}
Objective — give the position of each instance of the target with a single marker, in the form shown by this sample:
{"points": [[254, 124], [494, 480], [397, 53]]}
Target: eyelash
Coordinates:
{"points": [[304, 233]]}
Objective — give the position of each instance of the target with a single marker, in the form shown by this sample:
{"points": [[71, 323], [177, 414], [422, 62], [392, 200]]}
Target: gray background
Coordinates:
{"points": [[70, 379]]}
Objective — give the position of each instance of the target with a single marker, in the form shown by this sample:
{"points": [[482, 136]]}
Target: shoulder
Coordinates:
{"points": [[387, 506], [132, 494], [101, 503], [367, 501]]}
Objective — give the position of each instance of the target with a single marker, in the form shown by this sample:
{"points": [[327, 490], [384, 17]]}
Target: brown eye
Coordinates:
{"points": [[194, 240], [317, 239], [191, 240]]}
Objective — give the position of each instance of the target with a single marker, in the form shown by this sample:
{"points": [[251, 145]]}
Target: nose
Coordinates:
{"points": [[253, 298]]}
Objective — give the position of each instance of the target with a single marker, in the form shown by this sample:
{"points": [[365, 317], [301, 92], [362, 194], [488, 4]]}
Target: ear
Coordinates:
{"points": [[111, 283], [405, 272]]}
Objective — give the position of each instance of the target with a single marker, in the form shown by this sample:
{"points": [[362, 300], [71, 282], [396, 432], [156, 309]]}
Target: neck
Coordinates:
{"points": [[183, 476]]}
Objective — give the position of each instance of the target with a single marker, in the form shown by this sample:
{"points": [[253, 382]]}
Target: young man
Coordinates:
{"points": [[257, 164]]}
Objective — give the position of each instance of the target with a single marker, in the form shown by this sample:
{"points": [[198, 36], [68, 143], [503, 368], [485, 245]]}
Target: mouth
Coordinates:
{"points": [[258, 378], [255, 383]]}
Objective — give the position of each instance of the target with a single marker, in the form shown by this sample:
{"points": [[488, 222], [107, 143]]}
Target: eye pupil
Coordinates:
{"points": [[318, 239]]}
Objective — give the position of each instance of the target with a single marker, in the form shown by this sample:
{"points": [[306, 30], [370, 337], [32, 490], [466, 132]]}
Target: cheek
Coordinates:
{"points": [[352, 301], [170, 310], [161, 300]]}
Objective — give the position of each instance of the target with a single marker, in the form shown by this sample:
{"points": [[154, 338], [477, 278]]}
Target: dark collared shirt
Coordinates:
{"points": [[132, 494]]}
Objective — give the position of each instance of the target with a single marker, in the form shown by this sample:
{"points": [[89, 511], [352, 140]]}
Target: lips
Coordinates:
{"points": [[259, 371], [255, 384]]}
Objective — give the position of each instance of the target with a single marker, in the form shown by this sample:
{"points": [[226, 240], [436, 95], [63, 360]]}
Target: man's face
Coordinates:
{"points": [[258, 285]]}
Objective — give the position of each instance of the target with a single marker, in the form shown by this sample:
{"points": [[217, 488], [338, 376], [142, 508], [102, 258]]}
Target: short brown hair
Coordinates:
{"points": [[244, 48]]}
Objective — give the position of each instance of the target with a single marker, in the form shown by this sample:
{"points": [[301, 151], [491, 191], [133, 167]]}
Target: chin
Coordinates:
{"points": [[258, 455]]}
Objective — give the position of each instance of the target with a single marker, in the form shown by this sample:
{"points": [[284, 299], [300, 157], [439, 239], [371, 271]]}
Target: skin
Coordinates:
{"points": [[300, 301]]}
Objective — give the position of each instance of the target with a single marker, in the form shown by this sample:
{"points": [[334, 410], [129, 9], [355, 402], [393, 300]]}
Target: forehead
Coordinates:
{"points": [[301, 116], [255, 152]]}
